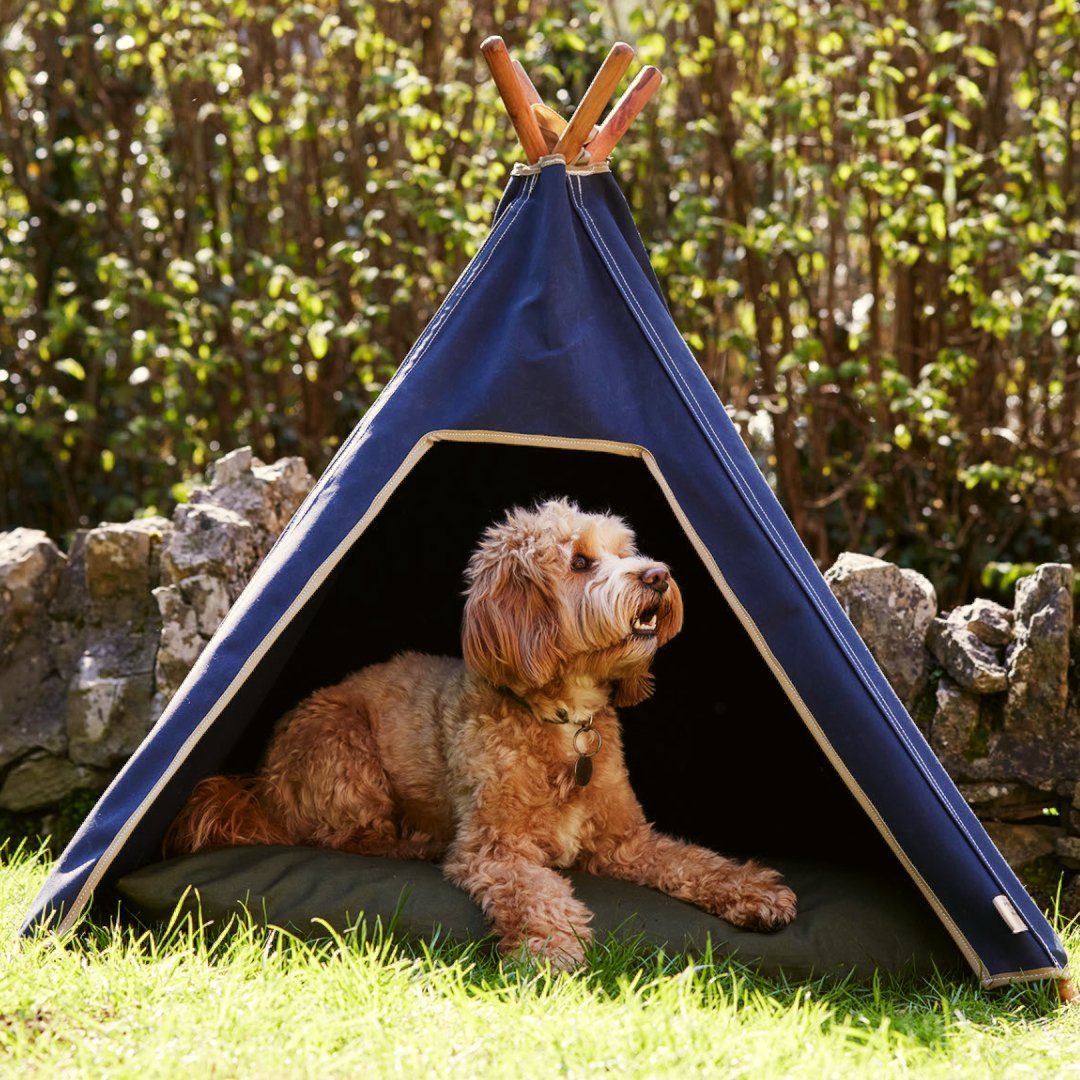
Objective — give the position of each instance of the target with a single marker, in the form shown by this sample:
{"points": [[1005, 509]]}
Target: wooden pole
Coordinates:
{"points": [[545, 117], [622, 116], [513, 95], [1067, 992], [530, 91], [592, 104]]}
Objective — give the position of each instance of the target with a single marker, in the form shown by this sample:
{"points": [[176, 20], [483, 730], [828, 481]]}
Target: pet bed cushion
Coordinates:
{"points": [[848, 921]]}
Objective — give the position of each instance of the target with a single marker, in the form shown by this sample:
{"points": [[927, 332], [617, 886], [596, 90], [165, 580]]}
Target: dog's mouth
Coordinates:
{"points": [[644, 624]]}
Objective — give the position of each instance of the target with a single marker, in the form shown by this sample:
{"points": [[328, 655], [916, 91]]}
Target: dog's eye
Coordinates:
{"points": [[580, 563]]}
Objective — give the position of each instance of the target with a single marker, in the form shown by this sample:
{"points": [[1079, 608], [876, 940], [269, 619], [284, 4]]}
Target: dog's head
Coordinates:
{"points": [[555, 592]]}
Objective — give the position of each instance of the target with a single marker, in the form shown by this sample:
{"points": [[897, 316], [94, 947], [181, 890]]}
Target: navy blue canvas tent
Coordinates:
{"points": [[554, 368]]}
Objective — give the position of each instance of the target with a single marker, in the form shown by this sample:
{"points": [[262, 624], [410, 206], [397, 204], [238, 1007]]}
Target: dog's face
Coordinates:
{"points": [[556, 593]]}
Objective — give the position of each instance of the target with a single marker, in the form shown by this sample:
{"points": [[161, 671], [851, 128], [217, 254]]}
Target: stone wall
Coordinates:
{"points": [[93, 644], [997, 695]]}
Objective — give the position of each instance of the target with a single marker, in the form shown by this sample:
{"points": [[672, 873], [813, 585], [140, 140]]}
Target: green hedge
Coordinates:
{"points": [[225, 222]]}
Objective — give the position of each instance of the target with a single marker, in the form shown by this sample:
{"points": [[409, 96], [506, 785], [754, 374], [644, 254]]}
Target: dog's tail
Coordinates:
{"points": [[222, 811]]}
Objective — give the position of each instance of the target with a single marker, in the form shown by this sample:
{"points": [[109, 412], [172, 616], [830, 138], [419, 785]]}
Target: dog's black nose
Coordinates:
{"points": [[656, 577]]}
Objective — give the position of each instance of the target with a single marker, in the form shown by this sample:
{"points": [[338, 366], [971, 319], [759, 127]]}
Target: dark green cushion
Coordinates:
{"points": [[848, 921]]}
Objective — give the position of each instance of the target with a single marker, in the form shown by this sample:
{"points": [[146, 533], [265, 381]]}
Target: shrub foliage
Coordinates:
{"points": [[224, 221]]}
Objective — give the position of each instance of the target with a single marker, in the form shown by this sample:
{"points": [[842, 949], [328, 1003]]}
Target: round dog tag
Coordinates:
{"points": [[587, 743]]}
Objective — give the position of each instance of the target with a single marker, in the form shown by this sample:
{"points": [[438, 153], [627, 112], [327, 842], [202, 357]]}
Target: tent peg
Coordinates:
{"points": [[1067, 992]]}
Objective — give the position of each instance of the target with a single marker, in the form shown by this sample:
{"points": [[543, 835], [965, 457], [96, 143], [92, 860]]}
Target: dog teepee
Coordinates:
{"points": [[553, 368]]}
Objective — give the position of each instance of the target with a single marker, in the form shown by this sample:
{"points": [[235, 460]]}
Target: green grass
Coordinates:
{"points": [[117, 1003]]}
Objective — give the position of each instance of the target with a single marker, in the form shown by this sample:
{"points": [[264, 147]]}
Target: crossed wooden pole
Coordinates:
{"points": [[542, 130]]}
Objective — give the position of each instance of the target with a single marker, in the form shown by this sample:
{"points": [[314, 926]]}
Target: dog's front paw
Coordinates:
{"points": [[769, 908], [564, 951], [754, 899]]}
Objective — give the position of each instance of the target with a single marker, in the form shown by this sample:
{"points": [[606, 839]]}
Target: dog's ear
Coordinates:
{"points": [[633, 687], [509, 633]]}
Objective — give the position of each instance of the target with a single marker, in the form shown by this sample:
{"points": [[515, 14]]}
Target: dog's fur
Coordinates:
{"points": [[426, 757]]}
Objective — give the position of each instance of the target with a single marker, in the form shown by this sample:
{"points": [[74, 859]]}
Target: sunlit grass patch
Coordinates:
{"points": [[245, 1001]]}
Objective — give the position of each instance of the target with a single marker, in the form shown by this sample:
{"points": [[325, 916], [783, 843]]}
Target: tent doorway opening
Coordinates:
{"points": [[718, 755]]}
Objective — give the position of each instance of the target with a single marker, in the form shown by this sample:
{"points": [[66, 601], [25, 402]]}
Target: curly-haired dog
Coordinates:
{"points": [[506, 765]]}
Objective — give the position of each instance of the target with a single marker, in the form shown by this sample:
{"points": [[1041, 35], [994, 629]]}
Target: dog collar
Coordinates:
{"points": [[587, 740], [517, 699]]}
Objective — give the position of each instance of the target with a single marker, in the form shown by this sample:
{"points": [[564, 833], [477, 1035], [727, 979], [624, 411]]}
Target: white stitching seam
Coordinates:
{"points": [[762, 518]]}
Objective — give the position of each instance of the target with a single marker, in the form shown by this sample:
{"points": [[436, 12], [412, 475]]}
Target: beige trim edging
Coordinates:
{"points": [[992, 982]]}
